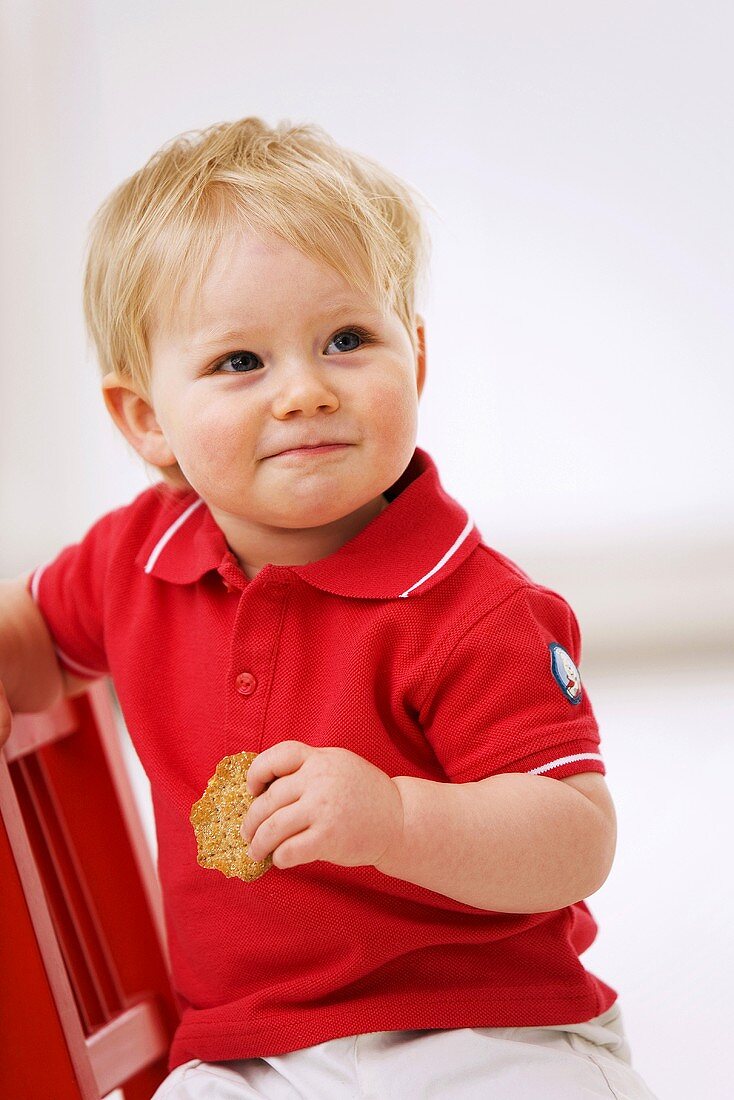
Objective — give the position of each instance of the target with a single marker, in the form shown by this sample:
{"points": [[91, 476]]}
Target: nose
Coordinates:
{"points": [[303, 387]]}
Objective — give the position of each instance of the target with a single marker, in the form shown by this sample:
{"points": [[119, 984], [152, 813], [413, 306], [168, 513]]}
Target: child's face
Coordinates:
{"points": [[291, 371]]}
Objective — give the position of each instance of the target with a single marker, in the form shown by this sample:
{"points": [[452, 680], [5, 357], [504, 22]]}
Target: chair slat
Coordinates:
{"points": [[126, 1045], [43, 1047], [89, 964], [29, 732], [86, 1004]]}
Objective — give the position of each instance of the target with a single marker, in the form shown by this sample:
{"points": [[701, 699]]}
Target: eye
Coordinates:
{"points": [[239, 361], [348, 334], [244, 362]]}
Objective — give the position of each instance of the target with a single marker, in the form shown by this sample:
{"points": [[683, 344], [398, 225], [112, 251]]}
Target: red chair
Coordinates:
{"points": [[86, 1006]]}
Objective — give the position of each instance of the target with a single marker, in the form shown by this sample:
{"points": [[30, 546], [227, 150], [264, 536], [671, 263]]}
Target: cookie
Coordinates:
{"points": [[217, 818]]}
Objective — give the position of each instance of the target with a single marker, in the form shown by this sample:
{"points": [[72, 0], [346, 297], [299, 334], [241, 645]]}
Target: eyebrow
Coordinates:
{"points": [[210, 337]]}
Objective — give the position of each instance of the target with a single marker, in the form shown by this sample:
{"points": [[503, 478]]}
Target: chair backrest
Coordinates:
{"points": [[86, 1005]]}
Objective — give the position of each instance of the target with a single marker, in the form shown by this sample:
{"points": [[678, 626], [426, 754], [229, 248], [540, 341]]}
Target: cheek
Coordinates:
{"points": [[396, 411], [211, 434]]}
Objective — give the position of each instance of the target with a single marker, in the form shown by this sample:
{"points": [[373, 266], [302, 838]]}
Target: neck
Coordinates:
{"points": [[256, 546]]}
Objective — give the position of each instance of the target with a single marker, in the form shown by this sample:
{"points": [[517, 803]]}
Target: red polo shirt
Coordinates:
{"points": [[415, 645]]}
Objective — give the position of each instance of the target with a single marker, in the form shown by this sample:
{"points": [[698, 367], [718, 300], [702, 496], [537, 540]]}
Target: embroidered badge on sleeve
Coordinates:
{"points": [[565, 673]]}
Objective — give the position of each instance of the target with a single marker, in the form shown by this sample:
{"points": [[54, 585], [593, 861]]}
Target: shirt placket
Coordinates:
{"points": [[255, 643]]}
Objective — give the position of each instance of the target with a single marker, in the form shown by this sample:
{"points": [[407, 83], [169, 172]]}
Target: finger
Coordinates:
{"points": [[280, 759], [276, 829], [285, 791], [297, 849], [6, 718]]}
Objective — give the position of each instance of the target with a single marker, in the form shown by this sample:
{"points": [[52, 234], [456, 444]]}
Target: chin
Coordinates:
{"points": [[301, 518], [324, 510]]}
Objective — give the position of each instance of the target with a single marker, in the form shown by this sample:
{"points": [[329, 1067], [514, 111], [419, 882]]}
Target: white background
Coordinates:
{"points": [[579, 329]]}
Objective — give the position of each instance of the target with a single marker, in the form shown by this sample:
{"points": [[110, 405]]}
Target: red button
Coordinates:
{"points": [[246, 683], [275, 588]]}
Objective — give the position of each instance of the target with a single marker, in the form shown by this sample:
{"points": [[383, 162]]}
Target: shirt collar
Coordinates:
{"points": [[421, 537]]}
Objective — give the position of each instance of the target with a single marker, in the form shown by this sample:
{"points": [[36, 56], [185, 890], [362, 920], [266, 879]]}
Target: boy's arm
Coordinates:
{"points": [[29, 670], [511, 843]]}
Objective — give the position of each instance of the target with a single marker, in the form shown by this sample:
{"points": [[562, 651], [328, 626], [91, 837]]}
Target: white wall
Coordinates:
{"points": [[579, 314]]}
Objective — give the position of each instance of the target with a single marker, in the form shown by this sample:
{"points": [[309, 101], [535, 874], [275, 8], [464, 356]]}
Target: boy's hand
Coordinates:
{"points": [[322, 803], [6, 718]]}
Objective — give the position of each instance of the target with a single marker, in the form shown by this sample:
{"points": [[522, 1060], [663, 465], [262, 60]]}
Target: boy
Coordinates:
{"points": [[300, 586]]}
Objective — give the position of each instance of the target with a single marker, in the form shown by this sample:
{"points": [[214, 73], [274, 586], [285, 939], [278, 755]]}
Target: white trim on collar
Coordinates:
{"points": [[449, 554], [155, 553]]}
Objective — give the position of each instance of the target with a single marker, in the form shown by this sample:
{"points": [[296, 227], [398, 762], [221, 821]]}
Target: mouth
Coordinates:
{"points": [[320, 449]]}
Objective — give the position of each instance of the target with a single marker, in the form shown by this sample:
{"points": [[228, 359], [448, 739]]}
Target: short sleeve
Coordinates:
{"points": [[69, 592], [509, 698]]}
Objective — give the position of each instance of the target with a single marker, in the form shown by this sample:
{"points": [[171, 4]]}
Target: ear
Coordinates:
{"points": [[136, 420], [421, 354]]}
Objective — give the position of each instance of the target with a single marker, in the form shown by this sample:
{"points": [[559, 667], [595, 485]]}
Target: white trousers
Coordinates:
{"points": [[562, 1062]]}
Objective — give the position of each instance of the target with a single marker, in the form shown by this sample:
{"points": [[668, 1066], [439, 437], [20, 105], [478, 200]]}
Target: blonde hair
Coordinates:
{"points": [[158, 231]]}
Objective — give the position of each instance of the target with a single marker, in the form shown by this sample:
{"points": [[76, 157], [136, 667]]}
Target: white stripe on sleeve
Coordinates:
{"points": [[565, 760]]}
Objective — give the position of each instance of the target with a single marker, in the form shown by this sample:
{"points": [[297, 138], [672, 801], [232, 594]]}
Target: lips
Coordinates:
{"points": [[311, 446]]}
